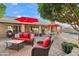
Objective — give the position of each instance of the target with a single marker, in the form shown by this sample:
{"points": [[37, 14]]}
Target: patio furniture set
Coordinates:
{"points": [[19, 39], [40, 48]]}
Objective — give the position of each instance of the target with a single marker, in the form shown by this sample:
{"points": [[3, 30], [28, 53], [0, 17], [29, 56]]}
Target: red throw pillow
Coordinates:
{"points": [[29, 35], [46, 42], [21, 35], [25, 35]]}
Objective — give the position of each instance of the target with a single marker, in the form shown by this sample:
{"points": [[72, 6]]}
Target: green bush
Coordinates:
{"points": [[74, 45], [67, 47]]}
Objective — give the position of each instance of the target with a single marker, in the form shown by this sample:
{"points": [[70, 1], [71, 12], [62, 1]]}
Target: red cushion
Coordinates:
{"points": [[20, 38], [26, 39], [21, 35], [46, 42], [24, 35], [40, 44]]}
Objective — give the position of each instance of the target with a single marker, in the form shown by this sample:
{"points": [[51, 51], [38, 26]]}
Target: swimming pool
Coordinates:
{"points": [[74, 33]]}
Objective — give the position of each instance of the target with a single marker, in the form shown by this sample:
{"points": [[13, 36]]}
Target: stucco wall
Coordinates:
{"points": [[3, 29]]}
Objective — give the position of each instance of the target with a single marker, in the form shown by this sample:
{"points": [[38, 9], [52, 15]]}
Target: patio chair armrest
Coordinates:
{"points": [[39, 51], [39, 47]]}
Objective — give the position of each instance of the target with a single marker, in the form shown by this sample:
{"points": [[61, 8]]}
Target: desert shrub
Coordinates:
{"points": [[74, 45], [67, 47]]}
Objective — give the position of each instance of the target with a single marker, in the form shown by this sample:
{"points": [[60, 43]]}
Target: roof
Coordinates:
{"points": [[13, 20], [9, 20]]}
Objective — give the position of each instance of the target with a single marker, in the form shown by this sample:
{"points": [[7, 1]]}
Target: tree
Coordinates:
{"points": [[62, 12], [2, 10]]}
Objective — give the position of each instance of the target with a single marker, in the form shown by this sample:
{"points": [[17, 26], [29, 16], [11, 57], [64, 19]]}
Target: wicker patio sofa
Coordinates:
{"points": [[41, 51], [27, 37]]}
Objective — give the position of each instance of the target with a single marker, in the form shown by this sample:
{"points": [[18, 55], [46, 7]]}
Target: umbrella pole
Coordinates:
{"points": [[78, 38]]}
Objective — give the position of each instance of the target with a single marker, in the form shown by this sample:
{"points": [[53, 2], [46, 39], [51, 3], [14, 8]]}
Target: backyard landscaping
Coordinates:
{"points": [[28, 36], [55, 49]]}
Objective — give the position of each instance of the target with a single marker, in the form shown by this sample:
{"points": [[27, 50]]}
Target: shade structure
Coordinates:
{"points": [[27, 19], [54, 25]]}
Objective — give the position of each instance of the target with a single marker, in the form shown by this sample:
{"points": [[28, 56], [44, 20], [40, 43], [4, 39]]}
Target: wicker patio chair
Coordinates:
{"points": [[41, 51]]}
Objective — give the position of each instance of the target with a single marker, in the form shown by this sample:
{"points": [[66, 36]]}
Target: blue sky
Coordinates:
{"points": [[23, 9]]}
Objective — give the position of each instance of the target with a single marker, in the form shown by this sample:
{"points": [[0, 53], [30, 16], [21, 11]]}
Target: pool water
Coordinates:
{"points": [[74, 33]]}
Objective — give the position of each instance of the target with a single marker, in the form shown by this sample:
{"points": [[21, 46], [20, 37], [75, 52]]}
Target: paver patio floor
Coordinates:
{"points": [[55, 50], [26, 51]]}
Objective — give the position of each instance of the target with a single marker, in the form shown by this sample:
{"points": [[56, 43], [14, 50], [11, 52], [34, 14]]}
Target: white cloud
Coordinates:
{"points": [[23, 16], [19, 16], [26, 16]]}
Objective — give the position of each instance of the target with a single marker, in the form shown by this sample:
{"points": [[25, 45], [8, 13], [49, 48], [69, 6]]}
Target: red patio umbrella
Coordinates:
{"points": [[27, 19], [54, 25]]}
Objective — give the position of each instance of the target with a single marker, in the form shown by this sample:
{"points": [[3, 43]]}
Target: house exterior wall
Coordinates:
{"points": [[3, 29], [27, 28], [22, 28]]}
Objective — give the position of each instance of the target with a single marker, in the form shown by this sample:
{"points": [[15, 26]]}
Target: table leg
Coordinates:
{"points": [[6, 44], [32, 41], [18, 47]]}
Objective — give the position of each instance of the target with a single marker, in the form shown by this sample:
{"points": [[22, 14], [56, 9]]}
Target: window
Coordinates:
{"points": [[10, 28], [16, 29]]}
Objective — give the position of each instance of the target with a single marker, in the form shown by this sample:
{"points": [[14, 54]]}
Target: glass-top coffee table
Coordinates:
{"points": [[14, 44]]}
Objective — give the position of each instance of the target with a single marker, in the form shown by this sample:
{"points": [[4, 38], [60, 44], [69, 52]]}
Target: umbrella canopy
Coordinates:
{"points": [[27, 19], [52, 25]]}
